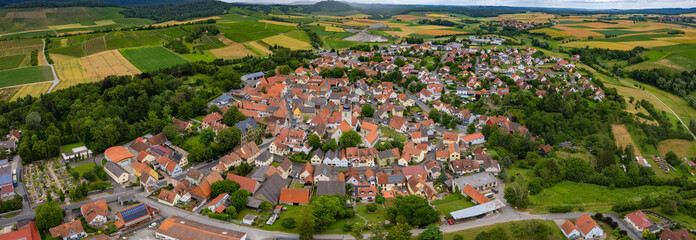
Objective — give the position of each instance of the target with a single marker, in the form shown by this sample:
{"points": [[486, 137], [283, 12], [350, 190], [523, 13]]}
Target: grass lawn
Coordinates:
{"points": [[452, 203], [379, 216], [240, 216], [205, 56], [592, 198], [470, 234], [149, 59], [83, 168], [293, 211], [69, 147], [25, 75]]}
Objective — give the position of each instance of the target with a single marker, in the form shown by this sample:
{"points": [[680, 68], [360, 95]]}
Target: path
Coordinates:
{"points": [[53, 69], [675, 114], [55, 179]]}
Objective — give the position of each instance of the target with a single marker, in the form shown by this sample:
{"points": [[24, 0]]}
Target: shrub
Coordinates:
{"points": [[623, 232], [288, 223], [379, 200], [599, 216], [608, 220], [349, 213], [614, 224], [560, 209], [371, 207]]}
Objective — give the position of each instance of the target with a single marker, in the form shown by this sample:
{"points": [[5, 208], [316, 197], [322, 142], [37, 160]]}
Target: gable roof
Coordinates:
{"points": [[158, 139], [568, 227], [585, 224], [475, 195], [270, 189], [244, 182], [679, 234], [413, 170], [184, 229], [331, 188], [93, 210], [114, 169], [118, 153], [26, 232], [639, 219], [134, 212], [67, 229], [292, 195]]}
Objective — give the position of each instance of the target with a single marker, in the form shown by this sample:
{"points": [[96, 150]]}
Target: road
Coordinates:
{"points": [[417, 100], [53, 69], [675, 114]]}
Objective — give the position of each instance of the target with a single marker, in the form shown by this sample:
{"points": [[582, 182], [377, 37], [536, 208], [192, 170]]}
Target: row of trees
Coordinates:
{"points": [[680, 84]]}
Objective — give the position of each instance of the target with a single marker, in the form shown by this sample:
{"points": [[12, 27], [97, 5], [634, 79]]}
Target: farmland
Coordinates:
{"points": [[12, 61], [51, 20], [288, 42], [25, 75], [70, 71], [19, 46], [245, 31], [232, 51], [623, 138], [100, 65], [149, 59], [34, 90]]}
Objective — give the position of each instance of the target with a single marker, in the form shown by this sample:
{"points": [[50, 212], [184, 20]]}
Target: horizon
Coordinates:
{"points": [[558, 4]]}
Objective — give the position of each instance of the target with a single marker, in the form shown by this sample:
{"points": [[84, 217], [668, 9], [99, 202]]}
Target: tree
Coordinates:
{"points": [[48, 215], [229, 138], [172, 131], [266, 206], [435, 115], [378, 232], [414, 209], [672, 158], [233, 116], [285, 70], [326, 209], [288, 223], [61, 195], [368, 111], [401, 231], [516, 195], [239, 198], [356, 232], [231, 210], [206, 136], [314, 141], [33, 121], [307, 223], [224, 186], [350, 139], [497, 233], [471, 128], [432, 232]]}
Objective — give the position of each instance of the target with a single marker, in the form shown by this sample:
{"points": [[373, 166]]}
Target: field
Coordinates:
{"points": [[232, 51], [149, 59], [623, 138], [70, 71], [51, 20], [683, 148], [590, 197], [439, 32], [278, 23], [34, 90], [527, 17], [209, 42], [20, 46], [245, 31], [452, 203], [551, 32], [334, 29], [288, 42], [25, 75], [12, 61], [470, 234], [83, 168], [95, 45], [257, 48], [100, 65]]}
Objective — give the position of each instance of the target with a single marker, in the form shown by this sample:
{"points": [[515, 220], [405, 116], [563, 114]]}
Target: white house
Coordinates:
{"points": [[569, 230], [474, 138]]}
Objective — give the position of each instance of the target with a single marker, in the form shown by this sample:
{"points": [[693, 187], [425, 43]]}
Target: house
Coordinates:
{"points": [[387, 182], [544, 150], [194, 176], [414, 170], [157, 140], [588, 227], [307, 173], [9, 145], [271, 188], [69, 231], [331, 188], [252, 76], [387, 156], [245, 183], [285, 167], [6, 183], [371, 139], [26, 232], [482, 182], [433, 169], [569, 230], [116, 172], [638, 221], [218, 204], [335, 158], [293, 196], [264, 159], [14, 135], [248, 152], [95, 212], [667, 234], [365, 193], [168, 198], [417, 186], [318, 157], [249, 129], [133, 215], [450, 137], [322, 173], [474, 138], [119, 154], [475, 196], [464, 166], [76, 154], [173, 169], [179, 228], [277, 147], [184, 126], [148, 182]]}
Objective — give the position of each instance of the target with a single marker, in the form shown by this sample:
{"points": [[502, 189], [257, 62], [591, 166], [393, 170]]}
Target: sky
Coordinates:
{"points": [[587, 4]]}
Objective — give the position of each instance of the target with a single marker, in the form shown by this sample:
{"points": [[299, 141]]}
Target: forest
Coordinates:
{"points": [[680, 84], [178, 12]]}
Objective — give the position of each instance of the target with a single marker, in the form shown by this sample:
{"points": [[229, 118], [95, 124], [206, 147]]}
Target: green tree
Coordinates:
{"points": [[435, 115], [266, 206], [233, 116], [206, 136], [306, 222], [378, 232], [326, 209], [239, 198], [414, 209], [61, 195], [231, 210], [48, 215], [516, 195], [350, 139], [314, 141], [497, 233], [224, 186], [229, 138], [401, 231], [471, 128], [285, 70], [172, 131], [432, 232], [288, 223], [33, 121], [356, 232], [368, 111]]}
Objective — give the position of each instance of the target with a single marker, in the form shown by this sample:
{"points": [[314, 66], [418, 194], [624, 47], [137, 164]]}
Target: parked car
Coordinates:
{"points": [[494, 190], [153, 225], [450, 221]]}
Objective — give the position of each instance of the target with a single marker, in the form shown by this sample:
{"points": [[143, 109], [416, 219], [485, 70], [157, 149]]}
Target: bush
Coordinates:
{"points": [[379, 200], [599, 216], [560, 209], [288, 223], [349, 213], [614, 224], [371, 208], [608, 220], [623, 232]]}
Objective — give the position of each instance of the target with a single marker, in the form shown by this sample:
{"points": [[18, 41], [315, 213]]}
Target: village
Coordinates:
{"points": [[303, 136]]}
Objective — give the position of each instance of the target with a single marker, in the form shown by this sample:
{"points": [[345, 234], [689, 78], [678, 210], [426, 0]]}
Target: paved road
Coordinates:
{"points": [[53, 69], [417, 100], [675, 114]]}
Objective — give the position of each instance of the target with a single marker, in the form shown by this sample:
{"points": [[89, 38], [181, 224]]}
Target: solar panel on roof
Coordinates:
{"points": [[5, 179], [134, 212]]}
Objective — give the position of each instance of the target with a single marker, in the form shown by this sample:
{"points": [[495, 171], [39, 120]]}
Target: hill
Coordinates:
{"points": [[328, 6], [82, 3]]}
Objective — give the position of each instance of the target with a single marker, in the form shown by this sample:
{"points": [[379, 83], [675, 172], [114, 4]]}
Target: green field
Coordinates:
{"points": [[149, 59], [69, 147], [208, 42], [83, 168], [25, 75], [83, 18], [590, 197], [377, 217], [245, 31], [13, 61], [470, 234], [206, 56], [641, 37], [452, 203]]}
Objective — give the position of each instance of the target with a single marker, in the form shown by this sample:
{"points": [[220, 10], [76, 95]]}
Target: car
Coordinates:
{"points": [[450, 221], [494, 190], [154, 224]]}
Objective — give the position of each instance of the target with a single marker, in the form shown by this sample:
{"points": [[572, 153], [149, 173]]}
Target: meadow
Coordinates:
{"points": [[12, 61], [25, 75], [30, 20], [70, 71], [288, 42], [152, 58], [245, 31], [470, 234], [232, 51]]}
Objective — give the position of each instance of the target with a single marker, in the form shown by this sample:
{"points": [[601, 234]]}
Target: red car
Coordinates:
{"points": [[450, 221]]}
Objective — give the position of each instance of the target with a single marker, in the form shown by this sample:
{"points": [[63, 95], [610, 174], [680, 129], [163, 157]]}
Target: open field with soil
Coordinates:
{"points": [[70, 71], [232, 51], [35, 90], [152, 58], [623, 138], [100, 65], [683, 148], [288, 42]]}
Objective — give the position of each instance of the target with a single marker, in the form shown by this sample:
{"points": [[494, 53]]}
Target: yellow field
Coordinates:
{"points": [[232, 51], [407, 30], [334, 29], [683, 148], [34, 90], [184, 22], [437, 15], [258, 47], [596, 44], [354, 16], [623, 138], [77, 25], [278, 23], [527, 17], [551, 32], [69, 70], [15, 47], [437, 32], [100, 65], [288, 42], [225, 40], [578, 32], [406, 17], [6, 94], [285, 16], [638, 94]]}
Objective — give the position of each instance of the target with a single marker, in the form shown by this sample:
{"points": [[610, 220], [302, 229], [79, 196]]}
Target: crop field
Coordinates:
{"points": [[116, 40], [173, 32], [597, 44], [334, 29], [26, 20], [35, 90], [70, 71], [6, 94], [245, 31], [405, 17], [209, 42], [288, 42], [257, 48], [439, 32], [100, 65], [95, 45], [279, 23], [551, 32], [527, 17], [184, 22], [623, 138], [19, 46], [406, 30], [12, 61], [25, 75], [233, 51], [205, 56], [152, 58], [683, 148]]}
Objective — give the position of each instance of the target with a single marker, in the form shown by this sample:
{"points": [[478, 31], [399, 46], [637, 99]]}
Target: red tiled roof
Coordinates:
{"points": [[475, 195], [639, 219], [567, 227], [118, 153], [291, 195], [472, 137], [585, 223], [26, 232], [244, 182]]}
